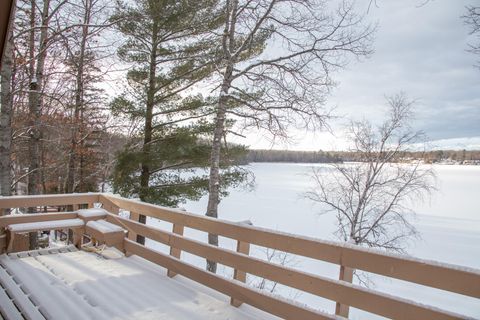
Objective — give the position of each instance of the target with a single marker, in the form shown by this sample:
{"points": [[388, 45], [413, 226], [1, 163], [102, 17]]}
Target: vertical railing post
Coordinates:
{"points": [[3, 234], [175, 252], [134, 217], [107, 206], [70, 234], [114, 209], [3, 241], [244, 248], [346, 274]]}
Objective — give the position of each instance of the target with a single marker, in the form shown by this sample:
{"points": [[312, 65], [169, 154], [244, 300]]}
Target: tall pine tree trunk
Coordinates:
{"points": [[147, 138], [6, 101]]}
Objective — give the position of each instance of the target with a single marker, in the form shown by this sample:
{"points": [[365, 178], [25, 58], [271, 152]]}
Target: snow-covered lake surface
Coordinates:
{"points": [[449, 226]]}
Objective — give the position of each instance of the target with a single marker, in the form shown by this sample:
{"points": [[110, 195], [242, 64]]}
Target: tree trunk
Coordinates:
{"points": [[228, 44], [35, 104], [214, 180], [82, 162], [70, 183], [6, 121], [79, 93], [35, 101], [147, 139], [32, 144]]}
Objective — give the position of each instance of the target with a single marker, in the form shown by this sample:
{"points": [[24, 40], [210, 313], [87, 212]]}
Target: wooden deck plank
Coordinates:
{"points": [[29, 310], [7, 308]]}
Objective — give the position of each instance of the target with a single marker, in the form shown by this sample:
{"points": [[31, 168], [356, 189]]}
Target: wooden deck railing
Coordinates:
{"points": [[465, 281]]}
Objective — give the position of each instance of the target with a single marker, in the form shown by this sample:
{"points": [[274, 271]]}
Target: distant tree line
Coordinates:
{"points": [[292, 156], [344, 156]]}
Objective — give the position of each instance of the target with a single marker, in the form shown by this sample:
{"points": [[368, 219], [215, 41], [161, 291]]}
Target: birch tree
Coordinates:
{"points": [[274, 70], [372, 199]]}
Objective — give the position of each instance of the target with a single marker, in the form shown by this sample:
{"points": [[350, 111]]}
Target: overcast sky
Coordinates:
{"points": [[420, 50]]}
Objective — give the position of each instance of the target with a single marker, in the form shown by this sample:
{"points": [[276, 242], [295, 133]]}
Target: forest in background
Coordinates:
{"points": [[437, 156], [138, 94]]}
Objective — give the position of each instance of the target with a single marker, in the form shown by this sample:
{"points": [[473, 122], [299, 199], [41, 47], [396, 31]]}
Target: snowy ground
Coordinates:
{"points": [[81, 285], [449, 226]]}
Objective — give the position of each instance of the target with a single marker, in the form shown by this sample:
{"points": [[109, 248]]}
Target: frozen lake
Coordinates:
{"points": [[449, 226]]}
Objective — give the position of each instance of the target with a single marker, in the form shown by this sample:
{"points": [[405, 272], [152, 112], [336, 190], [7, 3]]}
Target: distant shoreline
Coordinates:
{"points": [[444, 157], [290, 162]]}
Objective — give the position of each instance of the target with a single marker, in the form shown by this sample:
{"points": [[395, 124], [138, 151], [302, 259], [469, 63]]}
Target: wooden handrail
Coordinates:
{"points": [[349, 294], [48, 200], [452, 278], [38, 217]]}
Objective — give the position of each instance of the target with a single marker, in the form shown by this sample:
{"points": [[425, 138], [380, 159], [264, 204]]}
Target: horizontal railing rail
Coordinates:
{"points": [[48, 200], [274, 305], [452, 278], [39, 217], [465, 281], [340, 291]]}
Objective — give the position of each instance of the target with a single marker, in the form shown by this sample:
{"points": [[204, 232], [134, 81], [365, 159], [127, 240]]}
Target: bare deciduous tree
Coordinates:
{"points": [[472, 19], [372, 199], [42, 34], [85, 54], [274, 71]]}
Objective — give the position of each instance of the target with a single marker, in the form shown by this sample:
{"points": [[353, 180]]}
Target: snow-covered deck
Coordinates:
{"points": [[72, 284]]}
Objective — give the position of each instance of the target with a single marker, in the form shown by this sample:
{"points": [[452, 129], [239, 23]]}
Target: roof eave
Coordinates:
{"points": [[6, 18]]}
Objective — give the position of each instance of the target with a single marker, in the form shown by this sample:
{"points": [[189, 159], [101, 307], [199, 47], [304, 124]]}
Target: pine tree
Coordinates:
{"points": [[168, 44]]}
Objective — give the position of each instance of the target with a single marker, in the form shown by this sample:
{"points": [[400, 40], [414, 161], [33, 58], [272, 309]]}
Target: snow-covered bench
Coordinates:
{"points": [[25, 223], [76, 225], [92, 214], [105, 232]]}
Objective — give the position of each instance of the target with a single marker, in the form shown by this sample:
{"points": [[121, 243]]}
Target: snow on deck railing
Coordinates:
{"points": [[465, 281]]}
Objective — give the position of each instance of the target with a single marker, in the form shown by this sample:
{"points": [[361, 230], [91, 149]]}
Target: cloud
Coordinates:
{"points": [[421, 51]]}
